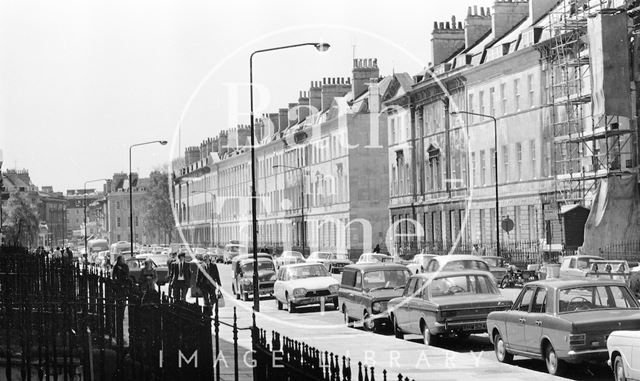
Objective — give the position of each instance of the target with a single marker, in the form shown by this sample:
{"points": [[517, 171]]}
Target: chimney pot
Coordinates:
{"points": [[459, 24], [453, 22], [475, 10], [441, 25], [469, 11], [435, 25], [447, 25], [481, 11]]}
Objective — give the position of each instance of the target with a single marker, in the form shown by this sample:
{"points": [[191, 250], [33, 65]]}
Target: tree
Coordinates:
{"points": [[158, 217], [22, 224]]}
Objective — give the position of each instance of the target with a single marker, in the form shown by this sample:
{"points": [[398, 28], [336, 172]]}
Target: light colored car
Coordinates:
{"points": [[374, 258], [232, 250], [457, 263], [419, 263], [289, 258], [576, 266], [304, 284], [624, 354], [332, 261]]}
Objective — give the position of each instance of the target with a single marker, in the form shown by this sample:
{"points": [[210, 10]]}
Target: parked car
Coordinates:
{"points": [[365, 290], [563, 321], [217, 255], [135, 267], [419, 263], [624, 354], [576, 266], [446, 303], [374, 258], [304, 284], [332, 261], [242, 269], [231, 250], [457, 263], [497, 266], [289, 258]]}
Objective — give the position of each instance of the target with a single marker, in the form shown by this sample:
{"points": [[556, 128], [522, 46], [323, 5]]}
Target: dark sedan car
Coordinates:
{"points": [[446, 303], [136, 264], [365, 290], [563, 321]]}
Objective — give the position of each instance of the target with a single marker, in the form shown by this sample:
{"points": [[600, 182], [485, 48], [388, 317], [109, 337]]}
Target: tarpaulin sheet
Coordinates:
{"points": [[615, 214], [610, 64]]}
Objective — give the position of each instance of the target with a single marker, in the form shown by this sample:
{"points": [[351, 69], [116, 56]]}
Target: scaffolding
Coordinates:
{"points": [[585, 147]]}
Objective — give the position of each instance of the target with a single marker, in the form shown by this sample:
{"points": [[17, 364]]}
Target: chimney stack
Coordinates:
{"points": [[283, 119], [476, 25], [292, 114], [315, 97], [539, 8], [507, 14], [334, 87], [272, 123], [303, 109], [446, 39], [222, 144], [363, 70]]}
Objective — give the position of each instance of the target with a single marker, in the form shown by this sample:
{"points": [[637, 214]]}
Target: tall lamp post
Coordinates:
{"points": [[495, 163], [162, 142], [322, 47], [213, 213], [84, 197], [304, 232]]}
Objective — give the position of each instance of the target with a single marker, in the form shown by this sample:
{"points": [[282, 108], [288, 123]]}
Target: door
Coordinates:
{"points": [[346, 292], [535, 321], [402, 312], [279, 286], [357, 302], [416, 306], [517, 318]]}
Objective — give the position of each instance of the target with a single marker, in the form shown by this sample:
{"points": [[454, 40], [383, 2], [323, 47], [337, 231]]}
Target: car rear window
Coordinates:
{"points": [[462, 284], [588, 298], [468, 264], [385, 279], [348, 278]]}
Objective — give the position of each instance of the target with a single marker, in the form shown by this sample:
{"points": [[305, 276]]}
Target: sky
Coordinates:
{"points": [[82, 81]]}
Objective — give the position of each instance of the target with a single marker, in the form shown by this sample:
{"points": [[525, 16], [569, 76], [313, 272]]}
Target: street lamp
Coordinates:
{"points": [[321, 47], [304, 232], [84, 196], [495, 163], [162, 142], [213, 208]]}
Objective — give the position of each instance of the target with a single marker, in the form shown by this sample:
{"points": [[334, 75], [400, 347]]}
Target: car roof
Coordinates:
{"points": [[584, 257], [294, 265], [564, 283], [457, 257], [376, 266], [445, 274]]}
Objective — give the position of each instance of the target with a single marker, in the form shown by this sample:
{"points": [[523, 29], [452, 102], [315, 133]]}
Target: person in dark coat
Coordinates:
{"points": [[172, 258], [121, 282], [180, 278], [208, 287], [376, 249]]}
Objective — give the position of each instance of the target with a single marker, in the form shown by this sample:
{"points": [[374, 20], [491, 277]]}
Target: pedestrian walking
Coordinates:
{"points": [[210, 287], [172, 258], [57, 254], [121, 283], [376, 249], [180, 278], [148, 281]]}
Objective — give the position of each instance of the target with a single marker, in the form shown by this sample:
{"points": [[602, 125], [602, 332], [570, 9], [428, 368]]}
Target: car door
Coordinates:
{"points": [[402, 312], [358, 301], [415, 306], [279, 286], [516, 319], [535, 321]]}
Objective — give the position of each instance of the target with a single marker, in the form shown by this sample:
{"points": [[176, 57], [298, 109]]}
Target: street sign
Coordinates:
{"points": [[507, 224]]}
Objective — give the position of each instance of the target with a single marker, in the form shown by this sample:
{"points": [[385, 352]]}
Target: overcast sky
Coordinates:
{"points": [[80, 81]]}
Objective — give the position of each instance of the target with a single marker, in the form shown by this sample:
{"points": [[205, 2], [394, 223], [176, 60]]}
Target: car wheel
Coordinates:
{"points": [[291, 306], [396, 330], [427, 337], [279, 304], [504, 282], [345, 316], [618, 369], [555, 366], [369, 324], [501, 350], [335, 304], [245, 296]]}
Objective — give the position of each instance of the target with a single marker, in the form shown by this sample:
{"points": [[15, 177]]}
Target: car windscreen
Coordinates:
{"points": [[325, 256], [341, 256], [466, 264], [493, 262], [462, 285], [586, 298], [307, 272], [378, 279], [262, 265]]}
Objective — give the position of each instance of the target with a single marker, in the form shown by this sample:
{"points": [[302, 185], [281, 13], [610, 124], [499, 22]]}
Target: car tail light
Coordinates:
{"points": [[577, 339]]}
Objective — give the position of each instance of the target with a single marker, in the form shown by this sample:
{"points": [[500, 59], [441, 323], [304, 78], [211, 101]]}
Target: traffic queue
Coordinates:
{"points": [[581, 310]]}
